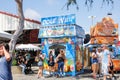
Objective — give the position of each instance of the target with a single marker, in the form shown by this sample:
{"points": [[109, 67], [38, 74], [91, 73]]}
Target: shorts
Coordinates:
{"points": [[94, 61], [40, 63], [111, 67], [105, 69], [51, 63]]}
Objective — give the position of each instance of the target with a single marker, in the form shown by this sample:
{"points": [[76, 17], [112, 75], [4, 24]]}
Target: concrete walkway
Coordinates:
{"points": [[34, 77], [85, 76]]}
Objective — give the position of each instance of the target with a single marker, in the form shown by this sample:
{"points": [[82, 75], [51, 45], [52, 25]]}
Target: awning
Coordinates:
{"points": [[27, 47], [5, 36]]}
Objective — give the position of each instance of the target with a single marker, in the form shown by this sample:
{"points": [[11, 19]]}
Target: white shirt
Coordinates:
{"points": [[99, 57]]}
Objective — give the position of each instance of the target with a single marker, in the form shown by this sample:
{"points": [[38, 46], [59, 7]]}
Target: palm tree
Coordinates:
{"points": [[20, 27]]}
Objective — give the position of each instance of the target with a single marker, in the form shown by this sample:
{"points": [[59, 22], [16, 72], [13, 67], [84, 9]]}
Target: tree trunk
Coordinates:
{"points": [[20, 27]]}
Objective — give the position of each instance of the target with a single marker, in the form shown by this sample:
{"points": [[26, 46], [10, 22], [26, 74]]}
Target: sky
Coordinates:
{"points": [[37, 9]]}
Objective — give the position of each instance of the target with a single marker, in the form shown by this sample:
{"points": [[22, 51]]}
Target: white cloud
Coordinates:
{"points": [[32, 14]]}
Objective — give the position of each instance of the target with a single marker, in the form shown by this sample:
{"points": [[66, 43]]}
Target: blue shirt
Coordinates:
{"points": [[5, 69]]}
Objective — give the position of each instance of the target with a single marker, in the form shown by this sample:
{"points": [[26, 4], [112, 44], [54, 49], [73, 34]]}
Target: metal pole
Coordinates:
{"points": [[92, 18]]}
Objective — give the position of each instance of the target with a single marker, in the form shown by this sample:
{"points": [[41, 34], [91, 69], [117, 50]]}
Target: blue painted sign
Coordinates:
{"points": [[59, 20], [61, 31], [80, 32]]}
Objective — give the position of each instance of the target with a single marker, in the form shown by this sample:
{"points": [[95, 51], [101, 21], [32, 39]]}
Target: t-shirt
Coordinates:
{"points": [[28, 56], [61, 58], [51, 56], [41, 57], [112, 54], [5, 69], [99, 57], [105, 56]]}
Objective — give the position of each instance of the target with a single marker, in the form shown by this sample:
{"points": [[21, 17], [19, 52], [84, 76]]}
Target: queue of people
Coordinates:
{"points": [[102, 62], [52, 60]]}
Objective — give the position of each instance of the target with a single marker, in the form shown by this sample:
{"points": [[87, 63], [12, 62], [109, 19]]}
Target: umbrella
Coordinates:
{"points": [[27, 47]]}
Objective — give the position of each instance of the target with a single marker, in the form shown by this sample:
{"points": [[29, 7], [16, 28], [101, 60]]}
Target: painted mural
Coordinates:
{"points": [[60, 31]]}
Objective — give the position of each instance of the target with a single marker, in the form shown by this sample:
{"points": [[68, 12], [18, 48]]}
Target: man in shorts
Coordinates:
{"points": [[105, 61]]}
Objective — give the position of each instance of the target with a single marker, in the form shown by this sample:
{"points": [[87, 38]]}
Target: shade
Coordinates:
{"points": [[27, 47]]}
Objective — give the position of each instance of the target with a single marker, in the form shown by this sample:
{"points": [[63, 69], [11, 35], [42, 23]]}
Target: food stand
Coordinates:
{"points": [[116, 60], [106, 32], [61, 32]]}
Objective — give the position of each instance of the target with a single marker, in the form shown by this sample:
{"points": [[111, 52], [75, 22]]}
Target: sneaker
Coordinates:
{"points": [[108, 79]]}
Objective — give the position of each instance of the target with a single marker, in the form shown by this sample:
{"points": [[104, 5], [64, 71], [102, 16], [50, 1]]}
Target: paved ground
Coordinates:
{"points": [[85, 76]]}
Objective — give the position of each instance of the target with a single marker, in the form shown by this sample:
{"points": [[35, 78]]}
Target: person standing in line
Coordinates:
{"points": [[99, 53], [60, 60], [94, 62], [51, 63], [105, 61], [40, 65], [111, 64], [5, 62]]}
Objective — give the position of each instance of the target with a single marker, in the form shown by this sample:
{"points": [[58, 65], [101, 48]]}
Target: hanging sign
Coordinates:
{"points": [[59, 20]]}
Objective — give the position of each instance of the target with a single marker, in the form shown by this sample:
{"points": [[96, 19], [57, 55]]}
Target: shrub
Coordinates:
{"points": [[14, 62]]}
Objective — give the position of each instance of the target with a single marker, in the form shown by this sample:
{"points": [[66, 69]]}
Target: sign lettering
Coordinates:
{"points": [[58, 20]]}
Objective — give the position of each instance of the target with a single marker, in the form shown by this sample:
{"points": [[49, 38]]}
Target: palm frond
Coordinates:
{"points": [[72, 2], [88, 3]]}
